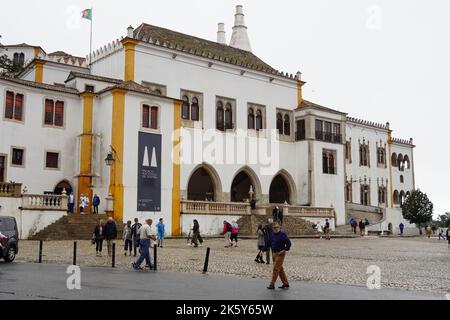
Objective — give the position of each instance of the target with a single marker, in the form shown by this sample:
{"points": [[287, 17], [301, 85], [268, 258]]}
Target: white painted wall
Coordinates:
{"points": [[36, 138], [112, 66], [211, 225]]}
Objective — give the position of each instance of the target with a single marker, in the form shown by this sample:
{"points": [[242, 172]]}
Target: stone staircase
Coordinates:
{"points": [[293, 226], [74, 227]]}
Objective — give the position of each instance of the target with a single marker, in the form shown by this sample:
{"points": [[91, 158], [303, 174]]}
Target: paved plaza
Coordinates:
{"points": [[418, 264]]}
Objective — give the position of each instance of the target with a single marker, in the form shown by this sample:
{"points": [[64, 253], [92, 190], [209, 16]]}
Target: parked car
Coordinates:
{"points": [[9, 242]]}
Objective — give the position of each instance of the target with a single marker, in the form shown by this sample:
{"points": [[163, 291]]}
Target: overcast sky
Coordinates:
{"points": [[384, 61]]}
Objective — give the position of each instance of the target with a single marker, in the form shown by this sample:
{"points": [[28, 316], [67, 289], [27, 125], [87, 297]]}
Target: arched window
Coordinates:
{"points": [[402, 198], [348, 192], [381, 156], [402, 180], [400, 162], [280, 123], [16, 58], [21, 59], [195, 110], [220, 116], [364, 155], [251, 119], [381, 195], [287, 125], [365, 195], [228, 116], [396, 197], [406, 162], [394, 159], [185, 108], [259, 120]]}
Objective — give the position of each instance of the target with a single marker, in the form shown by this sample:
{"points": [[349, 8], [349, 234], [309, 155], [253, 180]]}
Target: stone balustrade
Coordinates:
{"points": [[8, 189], [215, 208], [312, 212], [44, 202]]}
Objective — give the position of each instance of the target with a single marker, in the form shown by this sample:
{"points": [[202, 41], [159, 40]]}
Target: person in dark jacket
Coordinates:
{"points": [[362, 228], [267, 234], [99, 233], [135, 234], [280, 244], [196, 237], [95, 203], [110, 234]]}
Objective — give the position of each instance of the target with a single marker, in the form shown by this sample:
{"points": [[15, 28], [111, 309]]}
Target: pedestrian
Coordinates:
{"points": [[234, 233], [268, 230], [354, 225], [227, 233], [327, 229], [110, 234], [448, 237], [99, 235], [280, 216], [260, 244], [362, 228], [96, 203], [428, 230], [318, 229], [366, 222], [161, 232], [401, 226], [135, 234], [127, 238], [196, 237], [350, 222], [71, 203], [276, 214], [280, 244], [82, 204], [433, 228], [441, 234], [146, 236]]}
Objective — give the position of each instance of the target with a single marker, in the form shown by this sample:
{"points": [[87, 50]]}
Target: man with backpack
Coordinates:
{"points": [[135, 234]]}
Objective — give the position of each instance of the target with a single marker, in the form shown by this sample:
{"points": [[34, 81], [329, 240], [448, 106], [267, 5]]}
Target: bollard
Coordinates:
{"points": [[40, 251], [74, 253], [205, 268], [155, 256], [113, 255]]}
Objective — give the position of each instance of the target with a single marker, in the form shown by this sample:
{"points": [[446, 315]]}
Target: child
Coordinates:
{"points": [[127, 238], [160, 227]]}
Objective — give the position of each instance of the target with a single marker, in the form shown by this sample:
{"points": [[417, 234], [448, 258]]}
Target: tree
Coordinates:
{"points": [[444, 220], [9, 67], [418, 208]]}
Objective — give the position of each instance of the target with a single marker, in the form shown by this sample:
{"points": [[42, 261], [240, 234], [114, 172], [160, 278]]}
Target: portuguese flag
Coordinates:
{"points": [[87, 14]]}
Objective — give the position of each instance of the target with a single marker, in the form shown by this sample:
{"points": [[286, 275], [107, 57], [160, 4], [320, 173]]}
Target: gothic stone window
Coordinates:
{"points": [[364, 154], [382, 193], [348, 151], [255, 118], [225, 112], [365, 194], [381, 157], [348, 192], [329, 161], [192, 107], [284, 122]]}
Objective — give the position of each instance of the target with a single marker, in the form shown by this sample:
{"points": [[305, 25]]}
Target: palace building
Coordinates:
{"points": [[166, 125]]}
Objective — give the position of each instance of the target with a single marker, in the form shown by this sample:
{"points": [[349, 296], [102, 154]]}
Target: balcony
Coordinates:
{"points": [[44, 202], [10, 189], [215, 208], [308, 212]]}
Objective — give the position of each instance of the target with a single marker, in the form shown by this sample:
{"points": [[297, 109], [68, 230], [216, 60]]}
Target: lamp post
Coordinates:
{"points": [[110, 161]]}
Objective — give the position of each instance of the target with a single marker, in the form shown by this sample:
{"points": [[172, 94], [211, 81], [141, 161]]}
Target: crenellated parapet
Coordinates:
{"points": [[68, 59], [369, 123], [409, 142], [105, 50]]}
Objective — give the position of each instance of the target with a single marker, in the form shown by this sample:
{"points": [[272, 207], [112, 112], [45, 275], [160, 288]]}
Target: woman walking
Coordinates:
{"points": [[234, 233], [260, 243], [196, 237], [99, 232], [127, 237]]}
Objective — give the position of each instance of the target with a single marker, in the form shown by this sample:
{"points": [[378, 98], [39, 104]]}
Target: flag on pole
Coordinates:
{"points": [[87, 14]]}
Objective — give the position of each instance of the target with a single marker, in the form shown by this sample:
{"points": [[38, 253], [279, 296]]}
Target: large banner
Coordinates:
{"points": [[149, 172]]}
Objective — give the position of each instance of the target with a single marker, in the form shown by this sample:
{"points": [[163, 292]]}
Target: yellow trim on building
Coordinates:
{"points": [[39, 71], [85, 176], [390, 167], [117, 144], [299, 92], [129, 45], [176, 197], [36, 51]]}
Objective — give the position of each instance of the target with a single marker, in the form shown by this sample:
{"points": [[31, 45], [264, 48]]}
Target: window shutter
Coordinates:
{"points": [[9, 105], [154, 118], [59, 113], [228, 117], [18, 107], [48, 119], [52, 160], [145, 116]]}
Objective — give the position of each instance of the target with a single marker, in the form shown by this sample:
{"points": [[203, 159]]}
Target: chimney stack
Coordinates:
{"points": [[221, 36], [240, 39]]}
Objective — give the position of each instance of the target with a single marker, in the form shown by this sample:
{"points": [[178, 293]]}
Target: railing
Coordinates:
{"points": [[308, 212], [222, 208], [44, 202], [10, 189]]}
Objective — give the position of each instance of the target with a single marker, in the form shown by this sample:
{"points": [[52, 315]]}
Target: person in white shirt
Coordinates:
{"points": [[147, 237]]}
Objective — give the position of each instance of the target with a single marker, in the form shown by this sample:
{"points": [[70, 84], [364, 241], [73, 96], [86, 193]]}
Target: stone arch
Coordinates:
{"points": [[407, 163], [291, 198], [63, 184], [400, 162], [253, 179], [394, 159], [214, 180], [396, 197]]}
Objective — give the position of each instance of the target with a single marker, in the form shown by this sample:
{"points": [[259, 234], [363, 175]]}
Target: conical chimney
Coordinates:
{"points": [[240, 39]]}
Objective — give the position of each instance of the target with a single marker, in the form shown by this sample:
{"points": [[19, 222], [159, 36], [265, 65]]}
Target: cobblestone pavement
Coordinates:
{"points": [[406, 263]]}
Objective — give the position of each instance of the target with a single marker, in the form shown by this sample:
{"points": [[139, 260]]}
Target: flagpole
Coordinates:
{"points": [[90, 44]]}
